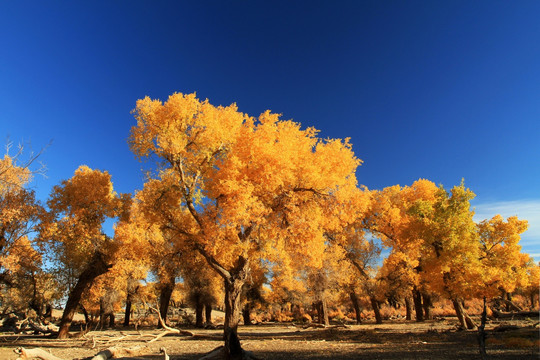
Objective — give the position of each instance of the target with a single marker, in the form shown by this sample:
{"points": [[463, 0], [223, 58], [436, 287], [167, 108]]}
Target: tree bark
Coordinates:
{"points": [[208, 314], [111, 320], [127, 313], [356, 306], [427, 304], [246, 314], [96, 267], [199, 307], [376, 309], [417, 297], [165, 297], [408, 308], [464, 319], [233, 290]]}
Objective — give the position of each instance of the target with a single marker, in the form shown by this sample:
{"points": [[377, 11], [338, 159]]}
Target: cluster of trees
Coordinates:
{"points": [[235, 202]]}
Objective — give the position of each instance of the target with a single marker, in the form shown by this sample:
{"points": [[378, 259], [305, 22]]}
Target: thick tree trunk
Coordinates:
{"points": [[408, 308], [427, 304], [417, 297], [208, 314], [101, 314], [356, 306], [464, 319], [322, 311], [376, 309], [165, 297], [96, 267], [199, 307], [233, 290]]}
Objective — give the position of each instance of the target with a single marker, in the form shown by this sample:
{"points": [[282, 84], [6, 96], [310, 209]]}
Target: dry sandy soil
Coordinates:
{"points": [[437, 339]]}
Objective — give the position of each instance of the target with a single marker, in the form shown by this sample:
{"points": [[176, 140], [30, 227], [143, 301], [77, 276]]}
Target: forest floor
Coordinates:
{"points": [[436, 339]]}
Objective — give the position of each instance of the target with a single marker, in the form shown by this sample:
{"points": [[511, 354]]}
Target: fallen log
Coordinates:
{"points": [[168, 329], [37, 353], [514, 314]]}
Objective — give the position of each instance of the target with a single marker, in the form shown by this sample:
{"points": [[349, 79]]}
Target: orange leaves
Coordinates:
{"points": [[243, 182]]}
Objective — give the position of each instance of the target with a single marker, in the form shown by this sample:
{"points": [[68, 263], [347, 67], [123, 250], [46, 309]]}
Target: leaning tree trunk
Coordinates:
{"points": [[417, 297], [464, 319], [376, 309], [96, 267], [356, 306], [127, 313]]}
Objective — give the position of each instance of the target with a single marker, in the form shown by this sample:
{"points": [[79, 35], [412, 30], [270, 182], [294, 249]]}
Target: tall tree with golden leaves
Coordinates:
{"points": [[241, 185], [74, 230]]}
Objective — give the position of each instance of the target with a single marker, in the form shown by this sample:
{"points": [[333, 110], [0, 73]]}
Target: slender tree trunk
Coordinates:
{"points": [[356, 306], [426, 304], [376, 309], [199, 307], [96, 267], [101, 314], [482, 332], [208, 314], [246, 314], [417, 297], [85, 313], [127, 313], [408, 308], [111, 320], [532, 296]]}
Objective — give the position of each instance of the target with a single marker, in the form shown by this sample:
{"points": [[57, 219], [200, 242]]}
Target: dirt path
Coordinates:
{"points": [[398, 340]]}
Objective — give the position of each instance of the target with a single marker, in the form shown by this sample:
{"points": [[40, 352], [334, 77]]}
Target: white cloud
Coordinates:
{"points": [[524, 209]]}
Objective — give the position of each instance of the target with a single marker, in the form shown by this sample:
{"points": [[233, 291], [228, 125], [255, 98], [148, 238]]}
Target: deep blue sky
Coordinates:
{"points": [[428, 89]]}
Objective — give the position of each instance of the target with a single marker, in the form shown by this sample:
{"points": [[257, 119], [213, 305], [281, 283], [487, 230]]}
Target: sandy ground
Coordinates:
{"points": [[438, 339]]}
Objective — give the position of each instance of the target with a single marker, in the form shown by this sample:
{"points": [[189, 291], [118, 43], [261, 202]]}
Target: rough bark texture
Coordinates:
{"points": [[97, 266], [356, 306], [376, 309], [408, 309], [427, 304], [419, 311], [322, 312]]}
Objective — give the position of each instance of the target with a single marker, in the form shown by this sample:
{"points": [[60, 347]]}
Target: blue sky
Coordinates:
{"points": [[437, 90]]}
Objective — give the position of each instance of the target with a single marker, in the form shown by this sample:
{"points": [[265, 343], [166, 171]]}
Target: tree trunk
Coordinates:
{"points": [[376, 309], [96, 267], [85, 313], [199, 307], [408, 308], [233, 290], [111, 320], [208, 314], [426, 304], [165, 297], [464, 319], [356, 306], [417, 297], [246, 314], [101, 314], [127, 313]]}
